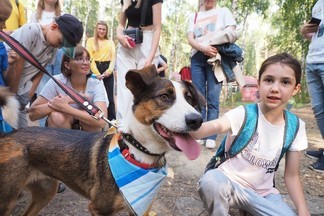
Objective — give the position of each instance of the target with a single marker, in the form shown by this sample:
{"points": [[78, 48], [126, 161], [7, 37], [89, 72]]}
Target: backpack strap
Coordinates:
{"points": [[291, 129], [246, 131]]}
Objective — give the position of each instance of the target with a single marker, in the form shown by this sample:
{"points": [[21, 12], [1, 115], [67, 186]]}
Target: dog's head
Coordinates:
{"points": [[165, 111]]}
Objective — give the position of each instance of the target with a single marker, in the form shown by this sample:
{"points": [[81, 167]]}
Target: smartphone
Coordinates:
{"points": [[131, 42], [315, 21]]}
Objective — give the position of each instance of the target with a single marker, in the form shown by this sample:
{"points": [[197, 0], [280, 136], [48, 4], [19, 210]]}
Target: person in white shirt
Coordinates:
{"points": [[314, 32], [61, 111], [246, 180]]}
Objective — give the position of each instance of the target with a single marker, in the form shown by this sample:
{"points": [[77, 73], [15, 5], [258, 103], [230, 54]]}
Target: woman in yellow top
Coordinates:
{"points": [[102, 52], [17, 17]]}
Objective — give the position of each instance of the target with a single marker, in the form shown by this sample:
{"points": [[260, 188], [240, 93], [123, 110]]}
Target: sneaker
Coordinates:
{"points": [[210, 143], [61, 187], [318, 166], [201, 142], [315, 154]]}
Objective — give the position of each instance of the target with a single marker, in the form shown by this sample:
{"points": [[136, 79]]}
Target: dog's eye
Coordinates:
{"points": [[164, 97], [188, 98]]}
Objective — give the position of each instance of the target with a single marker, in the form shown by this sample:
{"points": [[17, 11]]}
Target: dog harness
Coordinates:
{"points": [[137, 185]]}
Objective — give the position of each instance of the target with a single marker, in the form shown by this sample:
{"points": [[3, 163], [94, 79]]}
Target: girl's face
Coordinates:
{"points": [[79, 65], [209, 4], [277, 85], [101, 31]]}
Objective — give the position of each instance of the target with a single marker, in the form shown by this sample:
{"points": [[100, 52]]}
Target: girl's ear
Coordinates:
{"points": [[67, 65], [296, 89]]}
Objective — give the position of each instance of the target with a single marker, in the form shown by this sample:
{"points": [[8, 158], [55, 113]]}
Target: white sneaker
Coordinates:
{"points": [[201, 142], [210, 143]]}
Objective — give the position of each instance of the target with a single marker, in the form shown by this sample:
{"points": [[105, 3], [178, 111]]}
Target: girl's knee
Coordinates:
{"points": [[58, 120]]}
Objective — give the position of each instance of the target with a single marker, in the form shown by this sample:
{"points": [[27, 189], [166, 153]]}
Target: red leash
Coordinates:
{"points": [[79, 99]]}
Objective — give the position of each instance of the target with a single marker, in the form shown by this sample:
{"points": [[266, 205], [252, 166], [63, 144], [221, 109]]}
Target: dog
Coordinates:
{"points": [[35, 158]]}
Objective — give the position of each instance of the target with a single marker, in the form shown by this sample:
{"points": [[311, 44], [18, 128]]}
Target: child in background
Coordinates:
{"points": [[240, 183], [42, 41], [46, 12]]}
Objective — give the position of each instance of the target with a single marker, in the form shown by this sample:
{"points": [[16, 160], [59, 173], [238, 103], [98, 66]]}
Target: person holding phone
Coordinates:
{"points": [[210, 20], [136, 56], [314, 31]]}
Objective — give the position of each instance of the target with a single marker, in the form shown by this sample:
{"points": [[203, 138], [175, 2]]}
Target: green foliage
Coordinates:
{"points": [[302, 97], [173, 43], [250, 59], [288, 21]]}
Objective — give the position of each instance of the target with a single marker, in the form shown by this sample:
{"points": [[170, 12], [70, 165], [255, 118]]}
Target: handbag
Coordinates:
{"points": [[137, 33], [185, 73]]}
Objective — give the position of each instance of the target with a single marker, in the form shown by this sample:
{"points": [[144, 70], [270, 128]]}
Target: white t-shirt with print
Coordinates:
{"points": [[316, 47], [208, 23], [95, 89], [254, 166]]}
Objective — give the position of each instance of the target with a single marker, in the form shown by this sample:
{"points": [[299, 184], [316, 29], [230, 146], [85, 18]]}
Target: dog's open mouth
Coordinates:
{"points": [[179, 141]]}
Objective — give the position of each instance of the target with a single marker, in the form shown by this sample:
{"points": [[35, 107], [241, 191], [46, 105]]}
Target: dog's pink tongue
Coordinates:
{"points": [[188, 145]]}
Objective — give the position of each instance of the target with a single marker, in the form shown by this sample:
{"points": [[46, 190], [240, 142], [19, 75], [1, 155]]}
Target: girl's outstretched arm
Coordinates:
{"points": [[217, 126]]}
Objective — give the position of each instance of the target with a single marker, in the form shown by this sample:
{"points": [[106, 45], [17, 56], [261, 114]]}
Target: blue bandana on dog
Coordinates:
{"points": [[137, 185]]}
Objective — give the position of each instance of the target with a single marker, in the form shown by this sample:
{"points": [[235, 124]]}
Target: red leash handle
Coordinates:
{"points": [[25, 54]]}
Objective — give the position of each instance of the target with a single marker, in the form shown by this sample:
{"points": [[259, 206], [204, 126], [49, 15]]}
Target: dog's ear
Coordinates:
{"points": [[198, 101], [137, 80]]}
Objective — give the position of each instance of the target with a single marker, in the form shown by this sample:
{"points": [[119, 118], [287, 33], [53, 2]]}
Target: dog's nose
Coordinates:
{"points": [[194, 120]]}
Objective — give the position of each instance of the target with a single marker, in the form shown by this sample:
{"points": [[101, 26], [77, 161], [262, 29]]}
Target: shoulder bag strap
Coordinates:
{"points": [[195, 19], [143, 15]]}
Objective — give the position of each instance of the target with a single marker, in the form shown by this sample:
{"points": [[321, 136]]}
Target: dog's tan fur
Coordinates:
{"points": [[37, 158]]}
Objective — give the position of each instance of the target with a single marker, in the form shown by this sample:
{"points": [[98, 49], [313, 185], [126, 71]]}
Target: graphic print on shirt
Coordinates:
{"points": [[204, 28], [253, 154]]}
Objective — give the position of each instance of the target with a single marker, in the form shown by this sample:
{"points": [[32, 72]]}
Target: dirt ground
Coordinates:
{"points": [[179, 197]]}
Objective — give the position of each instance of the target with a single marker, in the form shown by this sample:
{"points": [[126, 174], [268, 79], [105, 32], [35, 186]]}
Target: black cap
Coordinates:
{"points": [[71, 29]]}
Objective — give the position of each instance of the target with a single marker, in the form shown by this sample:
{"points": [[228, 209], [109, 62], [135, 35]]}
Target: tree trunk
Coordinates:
{"points": [[234, 8]]}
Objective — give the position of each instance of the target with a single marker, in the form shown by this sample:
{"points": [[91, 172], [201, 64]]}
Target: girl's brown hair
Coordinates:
{"points": [[285, 59], [78, 51], [95, 34]]}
